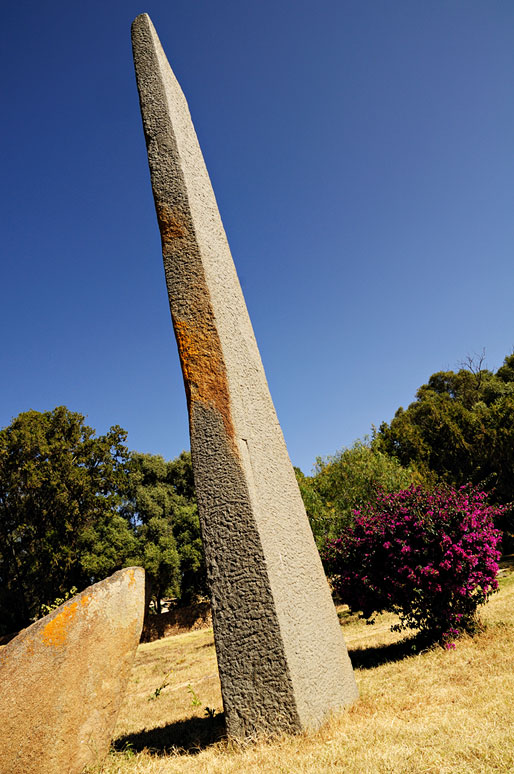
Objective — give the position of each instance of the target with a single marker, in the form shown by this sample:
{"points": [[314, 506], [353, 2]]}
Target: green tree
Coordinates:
{"points": [[161, 509], [460, 428], [347, 481], [149, 507], [60, 489], [186, 528]]}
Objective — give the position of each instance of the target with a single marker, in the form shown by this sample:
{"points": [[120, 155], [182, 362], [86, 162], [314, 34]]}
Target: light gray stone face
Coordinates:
{"points": [[282, 659], [62, 679]]}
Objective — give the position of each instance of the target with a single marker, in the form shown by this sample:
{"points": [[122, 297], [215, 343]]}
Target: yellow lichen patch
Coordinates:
{"points": [[132, 579]]}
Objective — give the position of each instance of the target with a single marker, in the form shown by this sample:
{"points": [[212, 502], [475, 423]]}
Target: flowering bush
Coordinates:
{"points": [[431, 557]]}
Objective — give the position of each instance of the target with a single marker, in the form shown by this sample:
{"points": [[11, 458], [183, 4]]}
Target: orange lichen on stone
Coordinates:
{"points": [[132, 578], [56, 631]]}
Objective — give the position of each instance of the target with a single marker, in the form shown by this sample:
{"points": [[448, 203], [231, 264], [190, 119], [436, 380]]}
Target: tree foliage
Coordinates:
{"points": [[74, 508], [346, 481], [161, 509], [186, 529], [60, 487], [460, 428]]}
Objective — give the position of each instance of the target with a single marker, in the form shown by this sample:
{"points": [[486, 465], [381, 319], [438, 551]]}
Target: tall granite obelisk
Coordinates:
{"points": [[282, 660]]}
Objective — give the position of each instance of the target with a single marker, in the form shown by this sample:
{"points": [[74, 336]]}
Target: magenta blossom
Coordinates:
{"points": [[431, 557]]}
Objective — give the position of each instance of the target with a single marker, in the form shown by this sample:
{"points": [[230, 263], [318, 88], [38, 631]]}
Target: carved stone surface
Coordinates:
{"points": [[282, 660], [63, 678]]}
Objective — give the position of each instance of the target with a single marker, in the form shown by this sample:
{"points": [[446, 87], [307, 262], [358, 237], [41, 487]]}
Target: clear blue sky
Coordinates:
{"points": [[362, 158]]}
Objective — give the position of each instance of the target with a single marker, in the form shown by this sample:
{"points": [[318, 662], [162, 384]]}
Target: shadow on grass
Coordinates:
{"points": [[507, 563], [185, 737], [368, 658]]}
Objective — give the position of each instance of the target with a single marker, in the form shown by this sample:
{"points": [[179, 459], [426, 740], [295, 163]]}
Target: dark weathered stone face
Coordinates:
{"points": [[63, 679], [282, 660]]}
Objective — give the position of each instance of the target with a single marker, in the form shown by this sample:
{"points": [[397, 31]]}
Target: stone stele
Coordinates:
{"points": [[282, 660], [63, 678]]}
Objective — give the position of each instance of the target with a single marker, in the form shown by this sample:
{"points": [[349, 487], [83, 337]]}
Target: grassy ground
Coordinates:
{"points": [[429, 712]]}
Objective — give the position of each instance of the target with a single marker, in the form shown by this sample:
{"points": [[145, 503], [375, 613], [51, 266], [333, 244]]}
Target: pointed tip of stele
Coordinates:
{"points": [[142, 18]]}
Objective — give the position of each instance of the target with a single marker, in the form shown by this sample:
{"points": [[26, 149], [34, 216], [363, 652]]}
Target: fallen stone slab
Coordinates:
{"points": [[63, 678]]}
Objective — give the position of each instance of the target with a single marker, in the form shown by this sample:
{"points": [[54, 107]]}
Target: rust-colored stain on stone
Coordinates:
{"points": [[56, 631], [198, 340], [203, 367], [170, 226]]}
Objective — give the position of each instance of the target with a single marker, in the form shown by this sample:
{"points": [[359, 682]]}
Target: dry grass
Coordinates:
{"points": [[432, 712]]}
